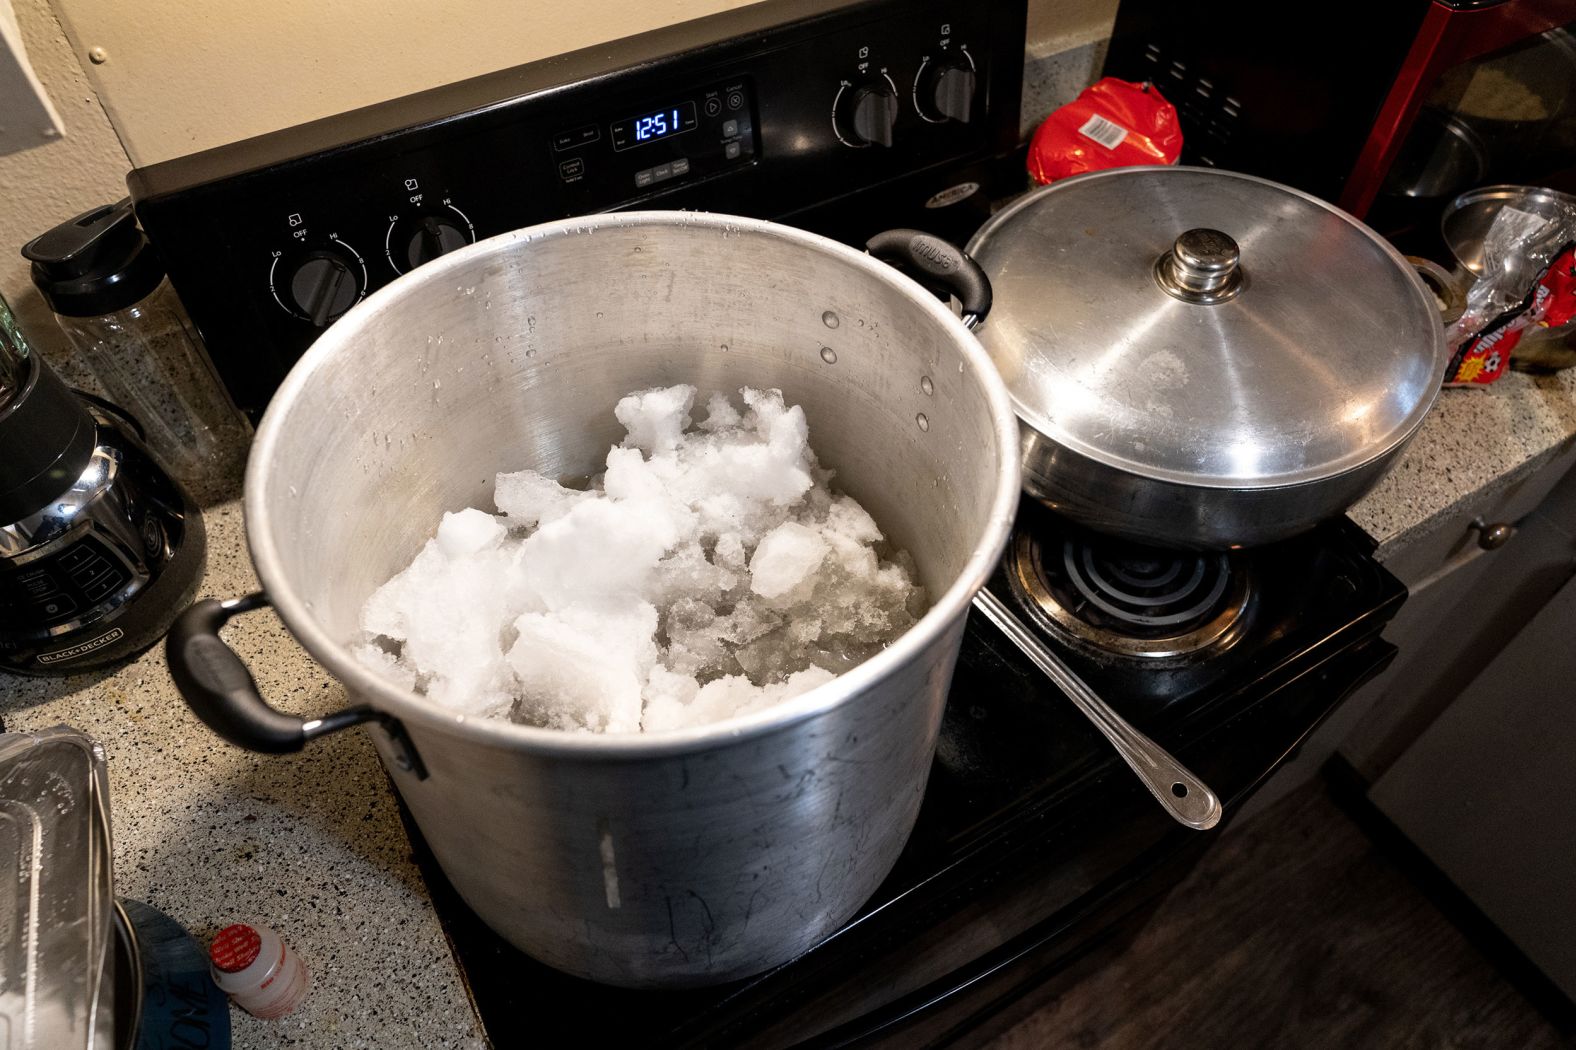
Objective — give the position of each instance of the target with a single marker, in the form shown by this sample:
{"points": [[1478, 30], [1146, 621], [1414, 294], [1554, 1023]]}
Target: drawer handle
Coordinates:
{"points": [[1492, 537]]}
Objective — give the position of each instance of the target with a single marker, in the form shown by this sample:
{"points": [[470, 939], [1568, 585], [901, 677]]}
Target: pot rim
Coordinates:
{"points": [[1399, 435], [365, 685]]}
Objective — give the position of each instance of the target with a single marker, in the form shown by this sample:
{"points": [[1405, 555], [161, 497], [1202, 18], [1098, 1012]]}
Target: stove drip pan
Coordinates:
{"points": [[1127, 599]]}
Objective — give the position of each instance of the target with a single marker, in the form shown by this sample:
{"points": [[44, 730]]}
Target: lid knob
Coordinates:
{"points": [[1203, 266]]}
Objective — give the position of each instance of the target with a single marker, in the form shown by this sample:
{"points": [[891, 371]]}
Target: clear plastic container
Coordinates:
{"points": [[151, 364], [109, 293], [13, 355], [57, 902]]}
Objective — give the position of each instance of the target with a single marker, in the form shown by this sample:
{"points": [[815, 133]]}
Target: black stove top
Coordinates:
{"points": [[1034, 837]]}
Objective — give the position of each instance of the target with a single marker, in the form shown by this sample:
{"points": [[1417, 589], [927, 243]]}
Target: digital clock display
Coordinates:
{"points": [[670, 120]]}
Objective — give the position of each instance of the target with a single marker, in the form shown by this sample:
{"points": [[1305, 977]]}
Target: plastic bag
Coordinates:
{"points": [[1550, 303], [1111, 124], [1525, 281]]}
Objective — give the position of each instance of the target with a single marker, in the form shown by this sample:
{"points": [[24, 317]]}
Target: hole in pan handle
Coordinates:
{"points": [[221, 691], [939, 265]]}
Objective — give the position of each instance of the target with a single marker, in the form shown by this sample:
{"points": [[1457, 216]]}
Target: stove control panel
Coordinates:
{"points": [[670, 141], [779, 110]]}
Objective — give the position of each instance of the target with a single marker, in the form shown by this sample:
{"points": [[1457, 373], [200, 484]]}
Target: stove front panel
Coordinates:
{"points": [[766, 111]]}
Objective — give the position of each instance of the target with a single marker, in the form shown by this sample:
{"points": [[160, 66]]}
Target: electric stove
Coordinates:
{"points": [[1035, 842]]}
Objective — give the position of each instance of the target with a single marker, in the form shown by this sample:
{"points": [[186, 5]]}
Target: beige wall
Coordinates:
{"points": [[1060, 25], [181, 77], [178, 77], [48, 184]]}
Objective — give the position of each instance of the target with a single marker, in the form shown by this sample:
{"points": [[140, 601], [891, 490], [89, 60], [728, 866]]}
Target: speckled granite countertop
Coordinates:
{"points": [[312, 845], [1472, 443]]}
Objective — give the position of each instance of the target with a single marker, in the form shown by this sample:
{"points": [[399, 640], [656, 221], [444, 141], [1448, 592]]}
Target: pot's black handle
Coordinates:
{"points": [[939, 264], [221, 691]]}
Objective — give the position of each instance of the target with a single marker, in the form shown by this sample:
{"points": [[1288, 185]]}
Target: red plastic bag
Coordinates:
{"points": [[1112, 124], [1550, 303]]}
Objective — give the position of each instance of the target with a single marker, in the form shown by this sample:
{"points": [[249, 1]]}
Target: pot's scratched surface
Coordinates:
{"points": [[310, 844]]}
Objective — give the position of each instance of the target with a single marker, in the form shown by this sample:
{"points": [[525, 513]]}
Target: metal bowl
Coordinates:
{"points": [[1466, 223], [1441, 156], [1467, 219]]}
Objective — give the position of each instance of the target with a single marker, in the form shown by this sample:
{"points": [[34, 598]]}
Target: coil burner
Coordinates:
{"points": [[1129, 599]]}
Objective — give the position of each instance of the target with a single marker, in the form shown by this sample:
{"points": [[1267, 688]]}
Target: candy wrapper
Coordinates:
{"points": [[1112, 124], [1550, 303], [1527, 280]]}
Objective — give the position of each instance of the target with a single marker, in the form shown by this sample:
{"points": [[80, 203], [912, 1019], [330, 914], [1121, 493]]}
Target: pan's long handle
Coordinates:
{"points": [[1183, 795]]}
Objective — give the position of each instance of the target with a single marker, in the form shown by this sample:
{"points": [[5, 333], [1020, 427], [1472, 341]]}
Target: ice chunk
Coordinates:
{"points": [[447, 612], [706, 573], [720, 414], [668, 690], [530, 499], [849, 519], [584, 666], [729, 551], [468, 532], [385, 664], [785, 558], [386, 612], [656, 419], [726, 698], [688, 573], [600, 549]]}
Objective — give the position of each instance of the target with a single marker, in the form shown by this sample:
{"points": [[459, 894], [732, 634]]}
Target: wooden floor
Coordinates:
{"points": [[1293, 932]]}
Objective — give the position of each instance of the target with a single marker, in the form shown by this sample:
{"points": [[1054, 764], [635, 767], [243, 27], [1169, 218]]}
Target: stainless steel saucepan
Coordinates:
{"points": [[1201, 358]]}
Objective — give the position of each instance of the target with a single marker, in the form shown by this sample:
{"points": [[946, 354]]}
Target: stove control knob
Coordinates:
{"points": [[867, 114], [431, 238], [323, 286], [946, 91]]}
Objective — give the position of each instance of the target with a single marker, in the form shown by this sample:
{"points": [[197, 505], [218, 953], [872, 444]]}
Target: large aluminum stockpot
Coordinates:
{"points": [[1202, 358], [676, 858]]}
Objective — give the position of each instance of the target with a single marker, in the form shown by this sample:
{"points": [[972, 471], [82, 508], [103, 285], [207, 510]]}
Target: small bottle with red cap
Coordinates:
{"points": [[255, 967]]}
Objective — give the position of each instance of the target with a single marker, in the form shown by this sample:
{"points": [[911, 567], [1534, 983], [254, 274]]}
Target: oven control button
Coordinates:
{"points": [[324, 285], [945, 90], [865, 114]]}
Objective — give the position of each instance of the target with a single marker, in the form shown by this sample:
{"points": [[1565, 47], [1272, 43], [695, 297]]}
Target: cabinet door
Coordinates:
{"points": [[1466, 603], [1464, 610], [1416, 634], [1488, 791]]}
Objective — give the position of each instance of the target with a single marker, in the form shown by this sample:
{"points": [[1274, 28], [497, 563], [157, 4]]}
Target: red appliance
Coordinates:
{"points": [[1389, 113], [1454, 33]]}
